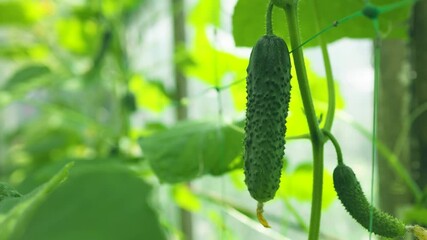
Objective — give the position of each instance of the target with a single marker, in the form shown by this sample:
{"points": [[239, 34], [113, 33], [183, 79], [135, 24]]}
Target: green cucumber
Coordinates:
{"points": [[268, 94], [352, 197]]}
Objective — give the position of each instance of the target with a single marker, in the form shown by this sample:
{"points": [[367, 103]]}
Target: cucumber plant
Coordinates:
{"points": [[268, 94], [260, 168]]}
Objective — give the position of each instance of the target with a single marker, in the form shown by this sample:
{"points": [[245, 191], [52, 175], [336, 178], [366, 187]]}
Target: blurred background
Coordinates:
{"points": [[147, 98]]}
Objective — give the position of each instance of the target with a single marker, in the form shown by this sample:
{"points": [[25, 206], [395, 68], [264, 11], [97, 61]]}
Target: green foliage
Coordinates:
{"points": [[7, 191], [291, 187], [74, 92], [185, 198], [148, 95], [25, 74], [15, 213], [248, 21], [192, 149], [99, 200], [417, 214], [20, 13]]}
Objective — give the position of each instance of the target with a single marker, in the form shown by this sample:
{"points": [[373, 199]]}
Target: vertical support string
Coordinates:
{"points": [[377, 78]]}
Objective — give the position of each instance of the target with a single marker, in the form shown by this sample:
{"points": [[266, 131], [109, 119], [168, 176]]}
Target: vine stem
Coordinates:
{"points": [[328, 70], [315, 133], [336, 145], [179, 38]]}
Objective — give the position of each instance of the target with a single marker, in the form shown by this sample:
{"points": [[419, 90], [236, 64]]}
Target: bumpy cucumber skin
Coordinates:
{"points": [[352, 197], [268, 94]]}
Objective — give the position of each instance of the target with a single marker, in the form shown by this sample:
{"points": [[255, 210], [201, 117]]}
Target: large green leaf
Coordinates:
{"points": [[249, 21], [100, 200], [25, 74], [15, 213], [192, 149]]}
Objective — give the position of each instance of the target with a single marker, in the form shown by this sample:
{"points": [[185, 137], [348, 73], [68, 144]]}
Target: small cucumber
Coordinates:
{"points": [[352, 197]]}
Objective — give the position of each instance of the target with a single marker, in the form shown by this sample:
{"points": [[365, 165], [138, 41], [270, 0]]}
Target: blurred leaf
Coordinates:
{"points": [[206, 13], [43, 145], [210, 65], [24, 51], [296, 122], [78, 36], [7, 191], [298, 184], [112, 8], [15, 214], [100, 200], [192, 149], [238, 179], [25, 74], [416, 214], [185, 198], [22, 12], [148, 95], [129, 102], [249, 21], [149, 129], [205, 62]]}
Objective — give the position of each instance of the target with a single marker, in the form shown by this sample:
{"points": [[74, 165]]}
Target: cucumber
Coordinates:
{"points": [[352, 197], [268, 94]]}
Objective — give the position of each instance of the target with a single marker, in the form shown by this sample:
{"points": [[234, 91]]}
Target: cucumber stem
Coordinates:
{"points": [[330, 113], [260, 216], [336, 146], [268, 20], [315, 133]]}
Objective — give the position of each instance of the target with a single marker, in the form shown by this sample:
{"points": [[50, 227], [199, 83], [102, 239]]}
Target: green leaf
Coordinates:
{"points": [[204, 61], [7, 191], [113, 8], [100, 200], [210, 64], [78, 36], [298, 184], [206, 13], [416, 214], [249, 21], [148, 95], [21, 13], [15, 214], [23, 51], [192, 149], [185, 199], [24, 75]]}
